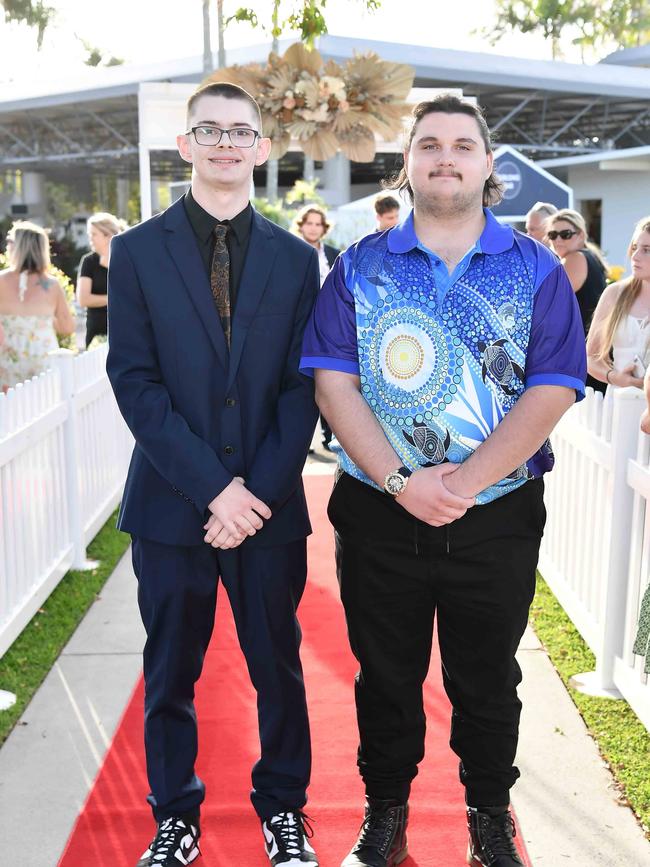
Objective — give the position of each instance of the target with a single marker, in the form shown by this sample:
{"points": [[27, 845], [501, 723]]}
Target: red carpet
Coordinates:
{"points": [[115, 824]]}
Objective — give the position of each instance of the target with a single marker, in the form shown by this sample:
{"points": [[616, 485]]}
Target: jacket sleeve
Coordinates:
{"points": [[278, 464], [187, 462]]}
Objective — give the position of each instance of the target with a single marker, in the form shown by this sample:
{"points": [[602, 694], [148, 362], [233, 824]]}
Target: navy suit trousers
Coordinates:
{"points": [[177, 593]]}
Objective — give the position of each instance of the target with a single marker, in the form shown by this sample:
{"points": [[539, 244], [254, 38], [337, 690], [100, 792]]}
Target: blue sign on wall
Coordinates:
{"points": [[524, 184]]}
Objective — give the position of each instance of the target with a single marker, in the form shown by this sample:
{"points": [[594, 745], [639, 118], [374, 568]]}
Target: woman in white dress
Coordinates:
{"points": [[33, 306], [618, 344]]}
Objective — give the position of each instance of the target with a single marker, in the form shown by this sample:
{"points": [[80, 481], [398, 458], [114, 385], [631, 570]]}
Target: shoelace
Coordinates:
{"points": [[290, 827], [376, 830], [499, 832], [166, 837]]}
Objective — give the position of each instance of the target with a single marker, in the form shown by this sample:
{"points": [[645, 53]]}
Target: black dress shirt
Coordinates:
{"points": [[237, 239]]}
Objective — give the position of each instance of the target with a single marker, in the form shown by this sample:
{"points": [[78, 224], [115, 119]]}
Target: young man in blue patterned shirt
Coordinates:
{"points": [[445, 350]]}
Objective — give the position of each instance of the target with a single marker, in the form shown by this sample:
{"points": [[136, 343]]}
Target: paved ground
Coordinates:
{"points": [[565, 799]]}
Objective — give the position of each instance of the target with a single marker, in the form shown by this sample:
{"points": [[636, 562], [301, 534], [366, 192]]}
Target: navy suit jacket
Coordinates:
{"points": [[200, 414]]}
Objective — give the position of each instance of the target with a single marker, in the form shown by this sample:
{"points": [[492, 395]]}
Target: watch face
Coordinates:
{"points": [[395, 483]]}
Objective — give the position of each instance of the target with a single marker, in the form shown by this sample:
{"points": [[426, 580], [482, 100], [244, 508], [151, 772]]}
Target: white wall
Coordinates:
{"points": [[626, 198]]}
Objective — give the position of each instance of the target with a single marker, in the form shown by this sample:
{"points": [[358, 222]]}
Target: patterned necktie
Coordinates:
{"points": [[220, 278]]}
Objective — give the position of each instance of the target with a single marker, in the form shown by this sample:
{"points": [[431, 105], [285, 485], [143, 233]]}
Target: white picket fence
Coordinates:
{"points": [[64, 452], [595, 553]]}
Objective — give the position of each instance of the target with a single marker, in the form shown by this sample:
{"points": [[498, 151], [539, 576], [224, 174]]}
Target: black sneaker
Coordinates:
{"points": [[382, 836], [176, 843], [491, 840], [286, 837]]}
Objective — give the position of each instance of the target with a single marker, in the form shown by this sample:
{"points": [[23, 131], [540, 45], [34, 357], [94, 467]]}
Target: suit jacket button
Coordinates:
{"points": [[230, 401], [228, 450]]}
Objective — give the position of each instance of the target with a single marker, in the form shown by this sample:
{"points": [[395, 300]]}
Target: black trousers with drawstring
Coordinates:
{"points": [[477, 576]]}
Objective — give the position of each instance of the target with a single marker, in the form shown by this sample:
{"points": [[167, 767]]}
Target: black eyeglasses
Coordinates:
{"points": [[565, 234], [239, 136]]}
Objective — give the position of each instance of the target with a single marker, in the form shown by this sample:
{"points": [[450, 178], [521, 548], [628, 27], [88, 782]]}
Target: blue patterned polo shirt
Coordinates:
{"points": [[441, 358]]}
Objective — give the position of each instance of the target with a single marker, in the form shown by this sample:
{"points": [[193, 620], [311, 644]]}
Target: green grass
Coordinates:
{"points": [[25, 665], [621, 738]]}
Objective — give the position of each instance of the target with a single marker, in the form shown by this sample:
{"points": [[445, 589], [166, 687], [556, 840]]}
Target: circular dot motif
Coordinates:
{"points": [[404, 356], [411, 362]]}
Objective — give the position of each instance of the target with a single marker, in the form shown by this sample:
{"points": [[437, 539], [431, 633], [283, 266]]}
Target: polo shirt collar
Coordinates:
{"points": [[495, 237]]}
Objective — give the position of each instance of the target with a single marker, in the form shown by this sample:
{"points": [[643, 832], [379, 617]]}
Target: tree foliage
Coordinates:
{"points": [[97, 56], [305, 16], [625, 22], [597, 23], [34, 13]]}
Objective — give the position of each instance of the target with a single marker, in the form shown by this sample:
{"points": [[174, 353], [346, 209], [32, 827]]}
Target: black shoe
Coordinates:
{"points": [[286, 838], [491, 840], [176, 843], [382, 836]]}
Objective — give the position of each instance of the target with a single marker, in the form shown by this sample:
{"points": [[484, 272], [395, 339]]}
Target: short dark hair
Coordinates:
{"points": [[384, 203], [227, 91], [447, 103]]}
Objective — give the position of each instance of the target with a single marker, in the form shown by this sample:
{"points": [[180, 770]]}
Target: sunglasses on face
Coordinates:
{"points": [[565, 234]]}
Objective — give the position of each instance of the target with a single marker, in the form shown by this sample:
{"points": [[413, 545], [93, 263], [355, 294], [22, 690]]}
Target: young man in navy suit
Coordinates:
{"points": [[208, 305]]}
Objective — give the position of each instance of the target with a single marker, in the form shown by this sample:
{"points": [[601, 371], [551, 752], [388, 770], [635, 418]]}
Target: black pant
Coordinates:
{"points": [[177, 592], [96, 324], [326, 431], [478, 574]]}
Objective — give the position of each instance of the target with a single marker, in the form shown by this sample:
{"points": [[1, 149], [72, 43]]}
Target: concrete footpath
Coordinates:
{"points": [[565, 799]]}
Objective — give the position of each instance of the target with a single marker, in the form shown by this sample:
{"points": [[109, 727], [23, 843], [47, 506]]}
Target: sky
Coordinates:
{"points": [[144, 31]]}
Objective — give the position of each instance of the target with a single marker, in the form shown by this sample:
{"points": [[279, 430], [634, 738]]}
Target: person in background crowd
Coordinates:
{"points": [[33, 306], [312, 226], [536, 220], [93, 271], [584, 263], [386, 211], [619, 336], [445, 350]]}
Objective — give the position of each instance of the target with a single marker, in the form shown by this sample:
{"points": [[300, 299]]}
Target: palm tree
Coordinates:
{"points": [[207, 48]]}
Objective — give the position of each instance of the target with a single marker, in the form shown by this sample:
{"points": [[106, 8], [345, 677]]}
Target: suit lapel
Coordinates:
{"points": [[182, 246], [262, 250]]}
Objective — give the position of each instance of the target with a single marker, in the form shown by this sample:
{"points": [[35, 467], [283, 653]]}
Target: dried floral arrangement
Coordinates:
{"points": [[325, 106]]}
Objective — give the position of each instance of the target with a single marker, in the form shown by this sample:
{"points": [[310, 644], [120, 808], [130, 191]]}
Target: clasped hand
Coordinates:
{"points": [[428, 498], [236, 514], [626, 377]]}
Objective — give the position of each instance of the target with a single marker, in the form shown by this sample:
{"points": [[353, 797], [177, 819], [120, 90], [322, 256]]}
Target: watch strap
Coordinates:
{"points": [[404, 473]]}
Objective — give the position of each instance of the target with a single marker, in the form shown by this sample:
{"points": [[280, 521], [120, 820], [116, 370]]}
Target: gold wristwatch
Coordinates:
{"points": [[396, 481]]}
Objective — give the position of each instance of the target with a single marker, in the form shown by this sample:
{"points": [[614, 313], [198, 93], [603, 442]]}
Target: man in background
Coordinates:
{"points": [[386, 211], [536, 220]]}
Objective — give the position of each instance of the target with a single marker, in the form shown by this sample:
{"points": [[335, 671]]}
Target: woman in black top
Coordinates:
{"points": [[93, 273], [584, 264]]}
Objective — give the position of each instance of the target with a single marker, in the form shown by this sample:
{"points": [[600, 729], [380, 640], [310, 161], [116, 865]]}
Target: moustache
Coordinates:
{"points": [[445, 175]]}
